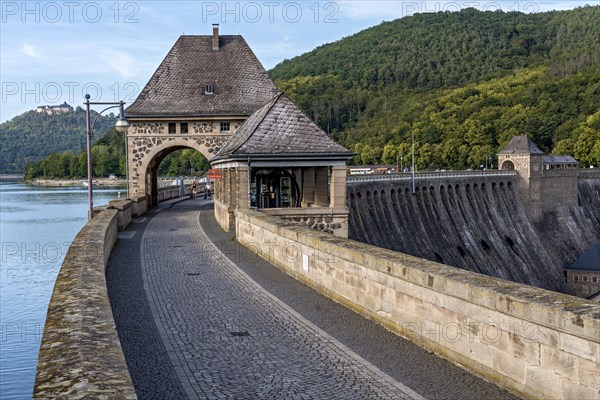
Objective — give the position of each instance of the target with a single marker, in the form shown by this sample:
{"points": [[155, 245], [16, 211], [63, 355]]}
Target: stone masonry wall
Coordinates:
{"points": [[535, 343], [80, 355]]}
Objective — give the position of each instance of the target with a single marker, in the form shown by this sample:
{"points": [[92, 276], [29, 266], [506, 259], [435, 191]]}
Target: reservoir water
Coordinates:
{"points": [[37, 226]]}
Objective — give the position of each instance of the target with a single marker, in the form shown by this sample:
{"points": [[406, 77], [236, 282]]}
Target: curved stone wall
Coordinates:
{"points": [[80, 354], [536, 343]]}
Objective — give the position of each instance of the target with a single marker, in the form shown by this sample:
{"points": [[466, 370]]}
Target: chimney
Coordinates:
{"points": [[215, 37]]}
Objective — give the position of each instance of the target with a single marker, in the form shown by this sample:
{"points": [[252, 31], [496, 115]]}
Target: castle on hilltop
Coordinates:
{"points": [[55, 110]]}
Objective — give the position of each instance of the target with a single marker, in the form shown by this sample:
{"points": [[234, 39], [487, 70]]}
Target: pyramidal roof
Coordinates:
{"points": [[281, 128], [240, 83], [520, 145]]}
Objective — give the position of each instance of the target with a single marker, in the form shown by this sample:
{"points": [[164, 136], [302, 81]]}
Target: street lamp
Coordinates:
{"points": [[121, 126]]}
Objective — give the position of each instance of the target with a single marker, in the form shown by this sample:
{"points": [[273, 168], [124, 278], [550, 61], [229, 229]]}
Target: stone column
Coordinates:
{"points": [[308, 187], [226, 186], [233, 195], [322, 186], [337, 187], [136, 188]]}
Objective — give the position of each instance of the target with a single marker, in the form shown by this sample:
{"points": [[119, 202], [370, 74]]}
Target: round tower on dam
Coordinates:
{"points": [[545, 183]]}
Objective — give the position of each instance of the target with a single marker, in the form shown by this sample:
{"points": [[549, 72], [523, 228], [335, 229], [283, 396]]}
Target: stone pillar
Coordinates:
{"points": [[233, 195], [337, 187], [222, 186], [322, 187], [226, 193], [136, 188], [308, 187], [242, 187]]}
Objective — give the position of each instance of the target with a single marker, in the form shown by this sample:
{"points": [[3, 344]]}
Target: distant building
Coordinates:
{"points": [[545, 182], [583, 276], [55, 110]]}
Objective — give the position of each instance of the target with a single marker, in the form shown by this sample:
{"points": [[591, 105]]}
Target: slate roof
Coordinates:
{"points": [[241, 84], [520, 145], [281, 128], [559, 160], [589, 261]]}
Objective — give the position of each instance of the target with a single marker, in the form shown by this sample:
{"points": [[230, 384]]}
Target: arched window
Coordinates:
{"points": [[508, 165], [208, 89]]}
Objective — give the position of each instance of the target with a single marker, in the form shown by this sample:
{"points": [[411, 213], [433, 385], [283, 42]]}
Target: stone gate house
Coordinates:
{"points": [[206, 91], [545, 182]]}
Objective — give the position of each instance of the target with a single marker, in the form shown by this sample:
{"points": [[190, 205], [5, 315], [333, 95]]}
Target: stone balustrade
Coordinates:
{"points": [[533, 342]]}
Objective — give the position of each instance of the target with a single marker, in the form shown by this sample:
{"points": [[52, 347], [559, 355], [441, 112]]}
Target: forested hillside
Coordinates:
{"points": [[32, 136], [464, 83]]}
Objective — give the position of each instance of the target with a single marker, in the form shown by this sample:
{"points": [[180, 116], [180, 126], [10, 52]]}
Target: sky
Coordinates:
{"points": [[57, 51]]}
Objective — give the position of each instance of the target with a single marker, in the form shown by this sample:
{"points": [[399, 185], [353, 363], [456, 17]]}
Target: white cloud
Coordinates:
{"points": [[31, 51], [120, 62]]}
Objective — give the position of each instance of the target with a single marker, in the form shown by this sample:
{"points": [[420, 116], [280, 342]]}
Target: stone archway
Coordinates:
{"points": [[508, 165], [146, 153]]}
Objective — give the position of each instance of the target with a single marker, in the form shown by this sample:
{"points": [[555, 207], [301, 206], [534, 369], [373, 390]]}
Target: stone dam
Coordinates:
{"points": [[475, 222]]}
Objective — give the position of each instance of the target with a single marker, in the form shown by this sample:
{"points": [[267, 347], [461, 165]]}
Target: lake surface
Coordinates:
{"points": [[37, 226]]}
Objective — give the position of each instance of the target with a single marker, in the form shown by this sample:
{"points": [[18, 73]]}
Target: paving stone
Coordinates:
{"points": [[193, 324]]}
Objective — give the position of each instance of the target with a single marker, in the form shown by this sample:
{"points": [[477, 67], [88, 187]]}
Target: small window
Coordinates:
{"points": [[172, 127], [576, 278], [184, 127], [208, 89], [224, 126], [594, 279], [585, 278]]}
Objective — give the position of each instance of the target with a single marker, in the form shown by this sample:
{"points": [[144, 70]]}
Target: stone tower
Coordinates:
{"points": [[200, 94], [544, 182], [523, 156]]}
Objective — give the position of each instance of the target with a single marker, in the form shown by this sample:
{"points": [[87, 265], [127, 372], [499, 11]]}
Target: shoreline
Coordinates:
{"points": [[77, 182]]}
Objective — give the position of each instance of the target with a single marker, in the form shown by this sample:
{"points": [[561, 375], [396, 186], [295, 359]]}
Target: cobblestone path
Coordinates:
{"points": [[194, 325]]}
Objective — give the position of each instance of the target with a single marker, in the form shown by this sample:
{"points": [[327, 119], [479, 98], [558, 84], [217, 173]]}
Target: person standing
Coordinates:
{"points": [[207, 191], [193, 190]]}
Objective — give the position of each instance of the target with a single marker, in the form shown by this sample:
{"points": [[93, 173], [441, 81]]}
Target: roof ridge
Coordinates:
{"points": [[257, 123]]}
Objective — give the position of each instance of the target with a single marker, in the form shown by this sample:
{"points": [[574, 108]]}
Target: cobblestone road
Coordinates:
{"points": [[195, 325]]}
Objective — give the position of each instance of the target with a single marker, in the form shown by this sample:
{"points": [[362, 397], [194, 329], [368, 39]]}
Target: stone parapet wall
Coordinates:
{"points": [[535, 343], [167, 193], [224, 216], [80, 354], [324, 219], [139, 205], [591, 173], [125, 208]]}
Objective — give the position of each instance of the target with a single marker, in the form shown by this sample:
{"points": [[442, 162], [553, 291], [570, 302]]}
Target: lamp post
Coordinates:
{"points": [[121, 125]]}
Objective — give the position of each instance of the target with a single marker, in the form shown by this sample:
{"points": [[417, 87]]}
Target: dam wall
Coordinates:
{"points": [[533, 342], [475, 222]]}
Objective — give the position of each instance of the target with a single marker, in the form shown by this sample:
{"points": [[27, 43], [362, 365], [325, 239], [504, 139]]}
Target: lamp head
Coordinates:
{"points": [[122, 125], [87, 96]]}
